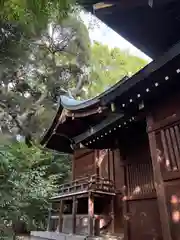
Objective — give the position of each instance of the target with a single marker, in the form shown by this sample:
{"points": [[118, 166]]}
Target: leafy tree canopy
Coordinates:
{"points": [[33, 16], [36, 68], [108, 66]]}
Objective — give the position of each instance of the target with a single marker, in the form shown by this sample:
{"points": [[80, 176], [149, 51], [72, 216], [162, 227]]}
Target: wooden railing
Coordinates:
{"points": [[93, 182]]}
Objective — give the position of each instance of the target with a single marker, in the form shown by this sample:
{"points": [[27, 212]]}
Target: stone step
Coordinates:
{"points": [[38, 235], [107, 237]]}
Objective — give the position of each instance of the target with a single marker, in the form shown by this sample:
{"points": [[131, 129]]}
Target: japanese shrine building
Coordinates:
{"points": [[126, 156], [125, 143]]}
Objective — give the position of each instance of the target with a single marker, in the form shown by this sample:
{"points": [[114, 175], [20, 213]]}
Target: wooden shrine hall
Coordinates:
{"points": [[125, 146], [125, 143]]}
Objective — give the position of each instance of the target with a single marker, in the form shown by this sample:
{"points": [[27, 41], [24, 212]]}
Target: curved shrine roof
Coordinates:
{"points": [[79, 121]]}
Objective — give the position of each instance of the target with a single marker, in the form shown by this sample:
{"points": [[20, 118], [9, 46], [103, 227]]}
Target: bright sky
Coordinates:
{"points": [[102, 33]]}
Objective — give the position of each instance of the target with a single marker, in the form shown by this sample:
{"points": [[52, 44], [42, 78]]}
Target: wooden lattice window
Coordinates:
{"points": [[139, 179], [168, 148]]}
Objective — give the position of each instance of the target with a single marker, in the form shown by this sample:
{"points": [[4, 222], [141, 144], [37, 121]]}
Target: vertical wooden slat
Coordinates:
{"points": [[161, 197], [128, 180], [177, 134], [97, 167], [91, 214], [74, 210], [73, 167], [140, 178], [143, 175], [151, 184], [112, 214], [175, 145], [132, 181], [143, 178], [136, 178], [113, 167], [170, 147], [125, 205], [60, 222], [108, 155], [49, 218], [166, 155], [151, 187], [148, 179]]}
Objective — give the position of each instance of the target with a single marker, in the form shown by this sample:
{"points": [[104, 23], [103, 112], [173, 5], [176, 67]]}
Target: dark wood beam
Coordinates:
{"points": [[114, 117]]}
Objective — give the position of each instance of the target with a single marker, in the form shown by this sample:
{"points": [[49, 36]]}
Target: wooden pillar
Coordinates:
{"points": [[91, 215], [122, 175], [109, 176], [95, 162], [60, 222], [159, 185], [49, 218], [97, 167], [125, 203], [112, 214], [74, 211], [73, 167], [113, 163]]}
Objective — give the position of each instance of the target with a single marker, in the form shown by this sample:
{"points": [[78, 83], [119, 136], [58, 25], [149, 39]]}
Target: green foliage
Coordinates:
{"points": [[33, 15], [23, 21], [34, 72], [28, 179], [109, 66]]}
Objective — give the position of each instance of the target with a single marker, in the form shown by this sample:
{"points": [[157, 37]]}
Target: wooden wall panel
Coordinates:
{"points": [[118, 216], [137, 167], [80, 152], [168, 148], [164, 125], [139, 201], [173, 202], [83, 163], [143, 220], [90, 162], [167, 109], [103, 163]]}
